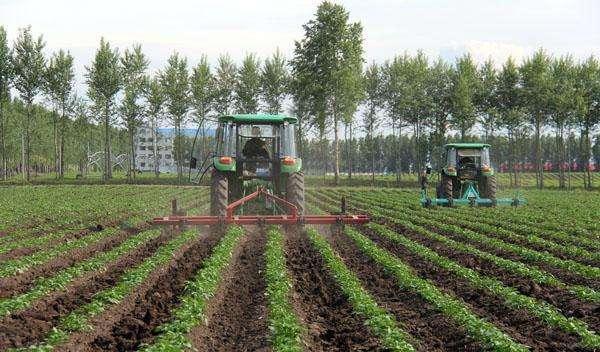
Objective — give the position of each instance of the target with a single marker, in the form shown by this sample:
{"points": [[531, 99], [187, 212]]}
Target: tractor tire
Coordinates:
{"points": [[294, 191], [219, 194], [446, 187], [490, 188]]}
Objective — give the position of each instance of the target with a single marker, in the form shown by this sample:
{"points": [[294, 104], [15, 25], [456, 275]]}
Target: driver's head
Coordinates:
{"points": [[255, 131]]}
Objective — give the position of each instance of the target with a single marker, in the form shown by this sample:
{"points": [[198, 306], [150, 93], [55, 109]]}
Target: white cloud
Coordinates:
{"points": [[481, 51]]}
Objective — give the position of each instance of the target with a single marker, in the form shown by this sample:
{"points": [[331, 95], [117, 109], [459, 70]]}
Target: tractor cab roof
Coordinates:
{"points": [[262, 119], [466, 145]]}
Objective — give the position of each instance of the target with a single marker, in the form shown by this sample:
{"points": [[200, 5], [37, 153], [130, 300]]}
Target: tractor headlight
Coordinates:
{"points": [[225, 160], [486, 168], [288, 160]]}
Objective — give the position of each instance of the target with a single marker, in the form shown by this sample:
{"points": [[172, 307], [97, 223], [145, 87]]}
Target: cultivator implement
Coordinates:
{"points": [[472, 198], [290, 218]]}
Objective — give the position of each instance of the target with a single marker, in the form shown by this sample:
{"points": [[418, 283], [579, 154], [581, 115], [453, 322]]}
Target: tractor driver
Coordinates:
{"points": [[255, 148]]}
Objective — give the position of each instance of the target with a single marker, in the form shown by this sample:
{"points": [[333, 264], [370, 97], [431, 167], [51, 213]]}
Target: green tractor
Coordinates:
{"points": [[467, 178], [256, 151]]}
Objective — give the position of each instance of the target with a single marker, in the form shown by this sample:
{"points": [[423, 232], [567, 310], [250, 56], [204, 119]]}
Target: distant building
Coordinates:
{"points": [[144, 157]]}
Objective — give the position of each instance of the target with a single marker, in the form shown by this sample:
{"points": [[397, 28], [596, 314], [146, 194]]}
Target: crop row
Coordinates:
{"points": [[127, 283], [443, 222], [511, 296], [465, 220], [198, 293], [514, 267], [284, 325], [62, 278]]}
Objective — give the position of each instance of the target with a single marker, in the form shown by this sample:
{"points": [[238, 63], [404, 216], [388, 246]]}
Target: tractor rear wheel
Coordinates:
{"points": [[490, 187], [219, 194], [294, 190], [446, 187]]}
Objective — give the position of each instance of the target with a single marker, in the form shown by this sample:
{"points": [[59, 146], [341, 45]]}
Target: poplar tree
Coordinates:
{"points": [[5, 80], [225, 82], [60, 78], [28, 63], [372, 103], [104, 79], [202, 84], [135, 81], [175, 81], [247, 88], [155, 96], [274, 83], [328, 62], [464, 92]]}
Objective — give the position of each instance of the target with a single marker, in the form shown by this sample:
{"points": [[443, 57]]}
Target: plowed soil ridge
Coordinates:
{"points": [[10, 286], [331, 323], [237, 314], [30, 326], [519, 324], [567, 302], [133, 322], [433, 330]]}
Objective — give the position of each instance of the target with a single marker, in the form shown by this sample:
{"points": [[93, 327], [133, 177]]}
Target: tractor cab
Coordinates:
{"points": [[256, 150], [468, 161], [256, 146]]}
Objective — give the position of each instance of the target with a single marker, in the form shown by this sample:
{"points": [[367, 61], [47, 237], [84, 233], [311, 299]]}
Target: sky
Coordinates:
{"points": [[486, 29]]}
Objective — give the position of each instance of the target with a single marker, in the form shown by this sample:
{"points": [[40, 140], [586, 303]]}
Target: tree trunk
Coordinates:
{"points": [[538, 157], [350, 154], [132, 159], [107, 161], [561, 157], [3, 143], [61, 150], [372, 149], [28, 144], [55, 135], [178, 154], [155, 147], [336, 151], [585, 139]]}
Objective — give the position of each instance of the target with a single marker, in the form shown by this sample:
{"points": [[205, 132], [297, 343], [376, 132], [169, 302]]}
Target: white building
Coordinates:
{"points": [[145, 154]]}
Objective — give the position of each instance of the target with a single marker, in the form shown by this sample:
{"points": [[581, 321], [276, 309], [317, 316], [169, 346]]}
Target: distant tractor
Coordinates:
{"points": [[467, 178]]}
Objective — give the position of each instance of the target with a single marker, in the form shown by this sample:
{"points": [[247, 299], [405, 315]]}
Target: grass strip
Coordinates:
{"points": [[284, 325], [452, 307], [78, 320], [61, 279], [198, 292], [381, 323], [511, 296]]}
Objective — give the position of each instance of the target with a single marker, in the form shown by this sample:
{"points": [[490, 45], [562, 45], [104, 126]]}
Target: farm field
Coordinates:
{"points": [[82, 269]]}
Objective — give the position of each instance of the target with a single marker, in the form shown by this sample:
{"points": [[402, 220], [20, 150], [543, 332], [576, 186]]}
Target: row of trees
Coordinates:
{"points": [[326, 86]]}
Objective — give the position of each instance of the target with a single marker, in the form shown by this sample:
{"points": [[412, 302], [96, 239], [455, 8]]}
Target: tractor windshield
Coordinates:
{"points": [[288, 141], [225, 138]]}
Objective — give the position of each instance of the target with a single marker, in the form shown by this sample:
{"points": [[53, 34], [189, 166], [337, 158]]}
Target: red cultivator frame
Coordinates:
{"points": [[291, 218]]}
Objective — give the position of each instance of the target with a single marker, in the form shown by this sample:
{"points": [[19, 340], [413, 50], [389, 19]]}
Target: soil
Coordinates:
{"points": [[331, 322], [126, 326], [565, 275], [432, 329], [237, 314], [568, 303], [517, 323], [20, 283], [33, 324]]}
